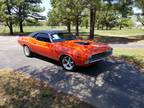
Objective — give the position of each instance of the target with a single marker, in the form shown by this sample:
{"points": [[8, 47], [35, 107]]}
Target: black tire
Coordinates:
{"points": [[27, 51], [69, 67]]}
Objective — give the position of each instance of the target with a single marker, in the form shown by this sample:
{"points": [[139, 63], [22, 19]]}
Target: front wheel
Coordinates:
{"points": [[68, 63], [27, 51]]}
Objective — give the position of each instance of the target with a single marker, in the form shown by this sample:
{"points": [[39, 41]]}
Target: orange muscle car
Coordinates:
{"points": [[64, 47]]}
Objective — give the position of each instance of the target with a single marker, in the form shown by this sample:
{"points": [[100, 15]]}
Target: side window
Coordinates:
{"points": [[42, 37]]}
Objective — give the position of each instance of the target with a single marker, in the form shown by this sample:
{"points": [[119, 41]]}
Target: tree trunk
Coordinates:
{"points": [[86, 24], [10, 26], [107, 27], [10, 21], [102, 27], [77, 26], [98, 26], [120, 27], [21, 26], [92, 22], [69, 26], [110, 28]]}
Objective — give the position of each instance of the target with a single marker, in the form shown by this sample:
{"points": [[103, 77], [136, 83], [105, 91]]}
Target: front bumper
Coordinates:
{"points": [[98, 57]]}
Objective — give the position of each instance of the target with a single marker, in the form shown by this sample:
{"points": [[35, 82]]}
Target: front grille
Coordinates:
{"points": [[100, 55]]}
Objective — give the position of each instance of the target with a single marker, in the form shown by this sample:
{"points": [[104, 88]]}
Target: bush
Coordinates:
{"points": [[125, 22], [33, 23]]}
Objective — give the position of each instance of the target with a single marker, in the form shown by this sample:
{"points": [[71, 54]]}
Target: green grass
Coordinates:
{"points": [[27, 29], [136, 52], [120, 33], [114, 32], [21, 91], [134, 55]]}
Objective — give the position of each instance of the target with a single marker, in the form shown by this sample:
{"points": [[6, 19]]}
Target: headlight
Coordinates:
{"points": [[88, 60], [109, 51]]}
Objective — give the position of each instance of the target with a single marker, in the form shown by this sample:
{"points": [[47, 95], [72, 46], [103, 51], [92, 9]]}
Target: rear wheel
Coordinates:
{"points": [[68, 63], [27, 51]]}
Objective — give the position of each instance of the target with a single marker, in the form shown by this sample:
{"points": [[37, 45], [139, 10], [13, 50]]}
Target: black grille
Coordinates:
{"points": [[101, 55]]}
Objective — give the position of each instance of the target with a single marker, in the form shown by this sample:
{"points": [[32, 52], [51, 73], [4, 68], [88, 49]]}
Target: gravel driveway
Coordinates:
{"points": [[109, 84]]}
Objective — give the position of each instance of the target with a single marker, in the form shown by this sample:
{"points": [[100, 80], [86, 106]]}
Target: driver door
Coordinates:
{"points": [[43, 45]]}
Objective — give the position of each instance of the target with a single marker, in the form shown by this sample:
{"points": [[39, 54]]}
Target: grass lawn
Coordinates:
{"points": [[115, 32], [21, 91], [120, 33], [5, 30], [135, 55]]}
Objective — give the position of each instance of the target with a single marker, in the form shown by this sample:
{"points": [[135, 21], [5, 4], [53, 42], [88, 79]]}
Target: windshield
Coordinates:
{"points": [[59, 37]]}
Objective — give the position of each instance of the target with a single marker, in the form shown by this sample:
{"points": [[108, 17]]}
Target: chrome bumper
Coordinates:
{"points": [[98, 57]]}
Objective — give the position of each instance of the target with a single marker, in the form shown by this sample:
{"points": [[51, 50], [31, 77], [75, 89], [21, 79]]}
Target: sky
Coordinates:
{"points": [[46, 4], [137, 10]]}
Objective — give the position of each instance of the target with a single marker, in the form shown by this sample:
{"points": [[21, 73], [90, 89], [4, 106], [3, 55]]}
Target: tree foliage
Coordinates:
{"points": [[67, 12], [18, 11], [125, 7], [6, 14], [140, 4], [141, 19], [103, 14], [25, 9], [100, 13]]}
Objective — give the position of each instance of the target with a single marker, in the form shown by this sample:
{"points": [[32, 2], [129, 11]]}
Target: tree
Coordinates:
{"points": [[54, 18], [78, 8], [60, 13], [25, 9], [125, 22], [141, 19], [140, 4], [125, 7], [6, 15], [95, 5], [68, 11], [106, 16], [112, 13], [85, 20], [18, 11]]}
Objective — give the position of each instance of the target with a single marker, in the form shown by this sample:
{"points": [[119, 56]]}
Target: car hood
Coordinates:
{"points": [[88, 47]]}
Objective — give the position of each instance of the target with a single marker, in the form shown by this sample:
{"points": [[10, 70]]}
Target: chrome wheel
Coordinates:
{"points": [[68, 63], [27, 51]]}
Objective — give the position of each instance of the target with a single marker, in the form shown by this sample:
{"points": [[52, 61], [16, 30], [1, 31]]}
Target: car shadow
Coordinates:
{"points": [[114, 39], [120, 40], [92, 70], [106, 84], [46, 59]]}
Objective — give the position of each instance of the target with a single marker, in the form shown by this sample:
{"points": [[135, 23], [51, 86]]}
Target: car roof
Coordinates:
{"points": [[51, 31]]}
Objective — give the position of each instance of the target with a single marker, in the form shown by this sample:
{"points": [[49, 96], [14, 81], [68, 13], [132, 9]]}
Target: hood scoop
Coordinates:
{"points": [[82, 43]]}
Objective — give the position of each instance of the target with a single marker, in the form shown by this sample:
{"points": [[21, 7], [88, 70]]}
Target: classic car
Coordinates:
{"points": [[64, 47]]}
